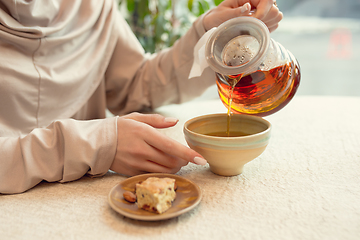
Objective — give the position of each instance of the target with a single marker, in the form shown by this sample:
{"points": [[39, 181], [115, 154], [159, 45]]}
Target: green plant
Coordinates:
{"points": [[159, 23]]}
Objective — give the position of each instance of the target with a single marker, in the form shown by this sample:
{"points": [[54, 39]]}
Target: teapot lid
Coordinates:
{"points": [[238, 46]]}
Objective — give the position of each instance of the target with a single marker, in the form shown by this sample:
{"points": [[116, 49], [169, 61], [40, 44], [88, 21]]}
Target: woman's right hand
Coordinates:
{"points": [[142, 149], [265, 10]]}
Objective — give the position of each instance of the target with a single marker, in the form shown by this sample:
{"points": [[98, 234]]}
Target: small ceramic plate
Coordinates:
{"points": [[188, 196]]}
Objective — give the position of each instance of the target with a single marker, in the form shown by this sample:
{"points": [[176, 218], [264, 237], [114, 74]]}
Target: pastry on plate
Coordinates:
{"points": [[155, 194]]}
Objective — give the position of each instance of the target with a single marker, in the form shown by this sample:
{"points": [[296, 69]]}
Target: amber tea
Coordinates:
{"points": [[259, 93], [228, 134]]}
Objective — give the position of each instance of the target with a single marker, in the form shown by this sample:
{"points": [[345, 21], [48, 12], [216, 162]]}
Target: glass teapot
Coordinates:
{"points": [[254, 74]]}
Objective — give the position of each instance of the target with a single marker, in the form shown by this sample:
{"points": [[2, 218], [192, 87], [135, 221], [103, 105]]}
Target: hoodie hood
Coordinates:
{"points": [[36, 18], [54, 54], [32, 13]]}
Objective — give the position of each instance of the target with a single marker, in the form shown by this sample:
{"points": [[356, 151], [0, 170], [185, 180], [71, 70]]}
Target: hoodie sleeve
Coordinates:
{"points": [[64, 151], [138, 81]]}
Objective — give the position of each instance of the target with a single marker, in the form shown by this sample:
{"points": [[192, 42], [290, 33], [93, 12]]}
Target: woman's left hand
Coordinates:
{"points": [[265, 10]]}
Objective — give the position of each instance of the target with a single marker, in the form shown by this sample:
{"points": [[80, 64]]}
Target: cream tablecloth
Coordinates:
{"points": [[306, 185]]}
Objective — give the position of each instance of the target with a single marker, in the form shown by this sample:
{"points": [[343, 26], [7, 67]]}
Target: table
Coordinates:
{"points": [[306, 185]]}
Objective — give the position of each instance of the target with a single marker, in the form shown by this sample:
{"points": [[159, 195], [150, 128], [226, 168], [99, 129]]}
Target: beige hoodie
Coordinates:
{"points": [[62, 63]]}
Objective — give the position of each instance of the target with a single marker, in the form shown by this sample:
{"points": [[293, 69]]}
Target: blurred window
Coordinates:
{"points": [[324, 35]]}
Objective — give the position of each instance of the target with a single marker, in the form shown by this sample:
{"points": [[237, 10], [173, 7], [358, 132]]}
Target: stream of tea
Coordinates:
{"points": [[237, 52], [232, 80]]}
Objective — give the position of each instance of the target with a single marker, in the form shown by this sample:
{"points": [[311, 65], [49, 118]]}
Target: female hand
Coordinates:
{"points": [[141, 148], [265, 10]]}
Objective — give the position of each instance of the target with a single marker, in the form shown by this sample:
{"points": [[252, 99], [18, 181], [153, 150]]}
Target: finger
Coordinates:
{"points": [[273, 15], [139, 165], [138, 161], [273, 23], [154, 120], [244, 10], [173, 148], [233, 4], [262, 8], [273, 28], [274, 18], [164, 159], [150, 166], [235, 12], [150, 159]]}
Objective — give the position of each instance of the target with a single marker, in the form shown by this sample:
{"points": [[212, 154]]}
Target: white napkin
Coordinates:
{"points": [[200, 62]]}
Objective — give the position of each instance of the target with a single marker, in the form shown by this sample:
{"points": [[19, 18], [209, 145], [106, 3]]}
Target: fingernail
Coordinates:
{"points": [[245, 7], [171, 120], [200, 161]]}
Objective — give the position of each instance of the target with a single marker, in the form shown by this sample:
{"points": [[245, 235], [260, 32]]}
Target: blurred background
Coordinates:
{"points": [[324, 35]]}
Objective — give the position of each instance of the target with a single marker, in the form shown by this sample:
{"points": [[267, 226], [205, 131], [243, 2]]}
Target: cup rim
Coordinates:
{"points": [[195, 119]]}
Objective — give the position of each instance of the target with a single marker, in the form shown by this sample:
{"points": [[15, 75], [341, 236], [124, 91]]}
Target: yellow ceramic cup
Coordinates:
{"points": [[227, 155]]}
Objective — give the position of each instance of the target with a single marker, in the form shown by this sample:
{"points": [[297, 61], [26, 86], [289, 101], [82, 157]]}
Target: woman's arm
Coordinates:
{"points": [[64, 151]]}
